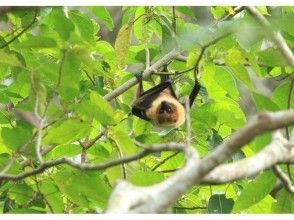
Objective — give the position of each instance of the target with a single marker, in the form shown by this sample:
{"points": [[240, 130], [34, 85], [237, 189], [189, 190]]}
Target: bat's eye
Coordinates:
{"points": [[168, 110], [161, 111]]}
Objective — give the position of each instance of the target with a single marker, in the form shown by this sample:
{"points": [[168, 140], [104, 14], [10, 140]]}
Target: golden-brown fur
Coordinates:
{"points": [[175, 118]]}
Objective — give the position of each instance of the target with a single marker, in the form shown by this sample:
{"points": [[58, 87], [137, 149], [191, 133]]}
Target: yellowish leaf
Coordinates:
{"points": [[122, 44]]}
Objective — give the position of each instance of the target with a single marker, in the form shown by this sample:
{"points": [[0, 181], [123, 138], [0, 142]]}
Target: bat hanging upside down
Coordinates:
{"points": [[160, 105]]}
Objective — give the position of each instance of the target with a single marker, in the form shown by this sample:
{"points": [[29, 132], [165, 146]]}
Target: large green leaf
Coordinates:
{"points": [[36, 42], [53, 196], [284, 203], [15, 137], [64, 150], [123, 141], [86, 189], [85, 27], [255, 191], [102, 13], [61, 23], [241, 74], [141, 178], [264, 103], [69, 76], [186, 10], [272, 58], [227, 82], [20, 193], [9, 58], [67, 132], [282, 97], [102, 110], [218, 203]]}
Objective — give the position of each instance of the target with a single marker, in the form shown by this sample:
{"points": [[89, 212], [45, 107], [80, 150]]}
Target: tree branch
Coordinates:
{"points": [[274, 35], [278, 151], [284, 178], [127, 198], [22, 32], [124, 87], [101, 166]]}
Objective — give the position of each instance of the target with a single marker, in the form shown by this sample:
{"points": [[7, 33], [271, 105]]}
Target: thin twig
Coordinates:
{"points": [[39, 141], [90, 78], [190, 208], [120, 155], [61, 70], [43, 196], [100, 166], [174, 22], [164, 161], [228, 16], [94, 140], [22, 32], [284, 178]]}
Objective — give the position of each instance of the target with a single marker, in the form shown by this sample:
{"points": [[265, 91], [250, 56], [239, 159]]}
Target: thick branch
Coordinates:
{"points": [[277, 151], [127, 198]]}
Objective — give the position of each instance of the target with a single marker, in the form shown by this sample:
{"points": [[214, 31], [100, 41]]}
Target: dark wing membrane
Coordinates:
{"points": [[146, 99]]}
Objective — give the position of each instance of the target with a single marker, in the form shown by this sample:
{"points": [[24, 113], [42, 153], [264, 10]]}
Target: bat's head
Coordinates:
{"points": [[170, 113]]}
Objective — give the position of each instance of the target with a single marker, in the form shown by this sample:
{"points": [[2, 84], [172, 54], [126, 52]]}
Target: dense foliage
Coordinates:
{"points": [[55, 69]]}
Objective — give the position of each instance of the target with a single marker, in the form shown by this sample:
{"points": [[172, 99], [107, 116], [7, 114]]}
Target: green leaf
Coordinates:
{"points": [[189, 35], [227, 82], [272, 57], [15, 167], [168, 41], [186, 10], [284, 203], [284, 23], [141, 178], [218, 203], [214, 90], [262, 10], [255, 191], [67, 132], [103, 110], [262, 207], [20, 193], [123, 141], [53, 196], [217, 11], [264, 103], [260, 142], [122, 44], [84, 188], [15, 137], [70, 75], [65, 150], [102, 13], [36, 42], [62, 24], [280, 95], [214, 140], [241, 74], [9, 58], [84, 26]]}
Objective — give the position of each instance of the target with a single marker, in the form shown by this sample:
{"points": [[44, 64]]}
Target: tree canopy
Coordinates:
{"points": [[67, 135]]}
